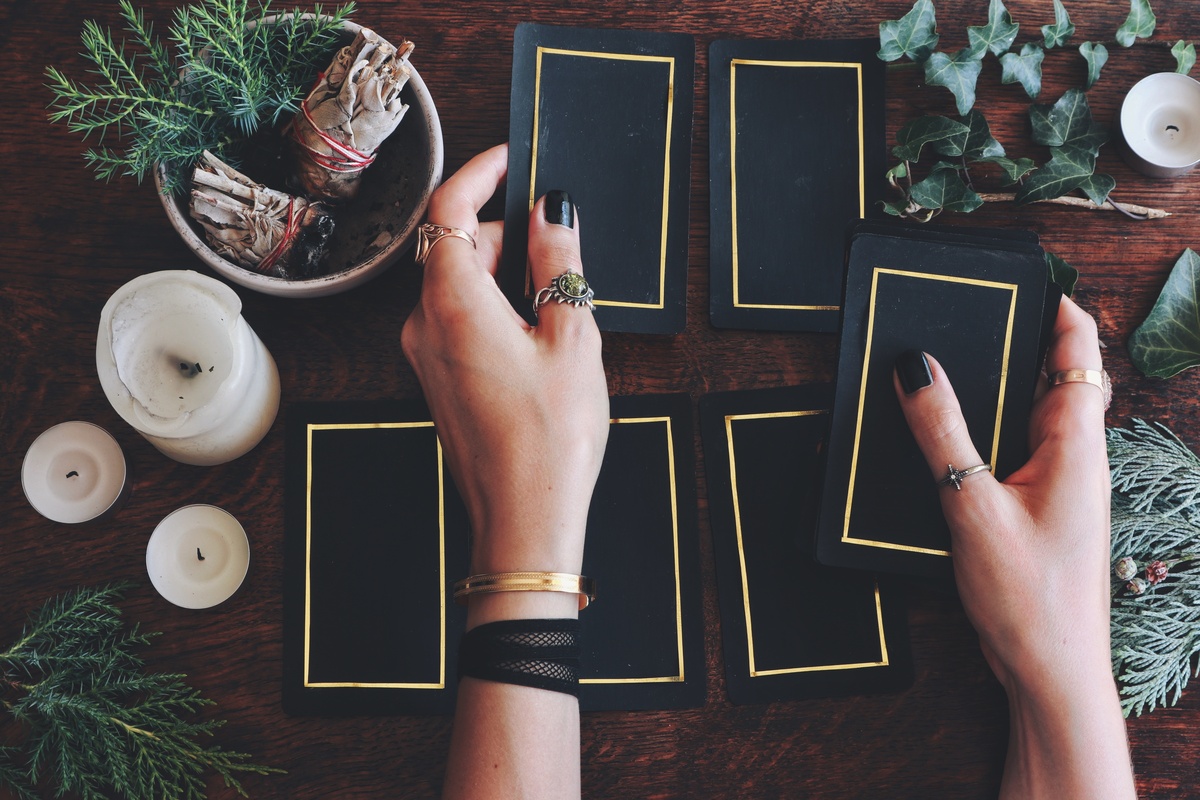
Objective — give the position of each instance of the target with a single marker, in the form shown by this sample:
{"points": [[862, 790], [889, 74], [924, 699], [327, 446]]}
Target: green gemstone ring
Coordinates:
{"points": [[570, 287]]}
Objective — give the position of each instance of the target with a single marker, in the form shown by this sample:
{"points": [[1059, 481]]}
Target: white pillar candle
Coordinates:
{"points": [[179, 363], [74, 472], [198, 556], [1160, 125]]}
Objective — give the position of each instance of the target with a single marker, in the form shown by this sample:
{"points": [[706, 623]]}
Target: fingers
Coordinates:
{"points": [[456, 204], [935, 418], [1074, 346], [553, 251]]}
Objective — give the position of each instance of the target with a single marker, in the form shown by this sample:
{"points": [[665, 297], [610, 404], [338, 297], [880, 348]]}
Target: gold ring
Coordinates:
{"points": [[431, 233], [1098, 378]]}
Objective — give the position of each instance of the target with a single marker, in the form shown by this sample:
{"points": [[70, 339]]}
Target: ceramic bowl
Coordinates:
{"points": [[371, 231]]}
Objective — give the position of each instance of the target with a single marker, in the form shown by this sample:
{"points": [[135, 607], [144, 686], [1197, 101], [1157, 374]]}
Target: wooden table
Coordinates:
{"points": [[69, 242]]}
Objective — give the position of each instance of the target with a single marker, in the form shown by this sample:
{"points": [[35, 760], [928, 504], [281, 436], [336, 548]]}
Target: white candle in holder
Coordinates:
{"points": [[198, 556], [179, 363], [74, 472], [1160, 125]]}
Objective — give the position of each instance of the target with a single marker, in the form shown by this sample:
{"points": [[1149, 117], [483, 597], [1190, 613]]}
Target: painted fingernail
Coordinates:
{"points": [[913, 369], [559, 210]]}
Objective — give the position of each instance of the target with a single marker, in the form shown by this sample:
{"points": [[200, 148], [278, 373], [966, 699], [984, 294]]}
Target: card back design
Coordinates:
{"points": [[796, 156], [791, 627], [606, 116], [975, 303]]}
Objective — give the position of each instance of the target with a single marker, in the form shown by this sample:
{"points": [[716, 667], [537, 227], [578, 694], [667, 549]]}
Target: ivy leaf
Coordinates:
{"points": [[1014, 170], [1061, 272], [1185, 56], [945, 189], [980, 144], [1064, 172], [1097, 187], [1096, 56], [946, 165], [1056, 35], [1025, 69], [1138, 25], [898, 171], [997, 35], [946, 136], [913, 35], [1168, 341], [958, 73], [897, 208], [1067, 123]]}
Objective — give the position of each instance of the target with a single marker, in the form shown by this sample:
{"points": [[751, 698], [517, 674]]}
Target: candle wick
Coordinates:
{"points": [[1173, 128], [199, 557], [73, 474], [190, 370]]}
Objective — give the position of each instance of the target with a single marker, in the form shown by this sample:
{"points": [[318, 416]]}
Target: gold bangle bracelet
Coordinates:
{"points": [[527, 582]]}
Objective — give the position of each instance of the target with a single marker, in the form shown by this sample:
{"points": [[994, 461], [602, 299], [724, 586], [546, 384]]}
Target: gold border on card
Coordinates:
{"points": [[741, 546], [308, 534], [666, 182], [862, 169], [862, 393], [680, 677]]}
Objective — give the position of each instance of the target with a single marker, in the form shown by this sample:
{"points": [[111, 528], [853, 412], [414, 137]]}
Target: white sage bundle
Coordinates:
{"points": [[257, 227], [347, 115]]}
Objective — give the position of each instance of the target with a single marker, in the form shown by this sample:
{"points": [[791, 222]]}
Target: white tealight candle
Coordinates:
{"points": [[198, 556], [179, 363], [74, 472], [1160, 125]]}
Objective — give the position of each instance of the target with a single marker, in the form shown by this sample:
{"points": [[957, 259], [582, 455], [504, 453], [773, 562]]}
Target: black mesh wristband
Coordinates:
{"points": [[542, 653]]}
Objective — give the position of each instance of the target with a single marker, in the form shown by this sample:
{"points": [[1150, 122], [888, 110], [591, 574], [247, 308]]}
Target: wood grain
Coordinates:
{"points": [[68, 242]]}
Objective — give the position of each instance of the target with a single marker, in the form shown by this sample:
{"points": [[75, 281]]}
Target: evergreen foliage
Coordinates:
{"points": [[240, 69], [94, 723], [1155, 518]]}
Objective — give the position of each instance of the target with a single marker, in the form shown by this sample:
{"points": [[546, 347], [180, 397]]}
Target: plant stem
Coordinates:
{"points": [[1129, 209]]}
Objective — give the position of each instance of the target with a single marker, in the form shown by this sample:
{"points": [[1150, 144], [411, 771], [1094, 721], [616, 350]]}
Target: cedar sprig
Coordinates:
{"points": [[95, 724], [241, 67], [1155, 625]]}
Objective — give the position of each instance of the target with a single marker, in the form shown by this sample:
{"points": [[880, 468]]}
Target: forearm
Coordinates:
{"points": [[1068, 741]]}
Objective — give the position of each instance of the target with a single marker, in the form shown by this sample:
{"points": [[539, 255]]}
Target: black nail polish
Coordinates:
{"points": [[913, 369], [559, 210]]}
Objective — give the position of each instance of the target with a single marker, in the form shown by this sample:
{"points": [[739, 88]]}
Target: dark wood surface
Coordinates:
{"points": [[68, 242]]}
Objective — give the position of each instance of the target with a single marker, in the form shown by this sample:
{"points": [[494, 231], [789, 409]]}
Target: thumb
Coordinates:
{"points": [[936, 421]]}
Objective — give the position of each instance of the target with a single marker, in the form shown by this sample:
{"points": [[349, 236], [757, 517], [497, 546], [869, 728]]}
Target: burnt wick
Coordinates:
{"points": [[191, 370], [73, 474], [1173, 128], [199, 557]]}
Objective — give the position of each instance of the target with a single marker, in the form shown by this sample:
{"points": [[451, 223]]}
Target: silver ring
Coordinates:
{"points": [[431, 233], [954, 477], [570, 287], [1097, 378]]}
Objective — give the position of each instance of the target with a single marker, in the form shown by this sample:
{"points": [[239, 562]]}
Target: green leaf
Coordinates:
{"points": [[1097, 187], [1067, 123], [1025, 69], [913, 35], [945, 135], [997, 35], [946, 165], [1064, 172], [1138, 25], [958, 73], [898, 171], [1097, 56], [1061, 272], [945, 189], [1056, 35], [1014, 170], [897, 208], [1185, 56], [1168, 342], [980, 144]]}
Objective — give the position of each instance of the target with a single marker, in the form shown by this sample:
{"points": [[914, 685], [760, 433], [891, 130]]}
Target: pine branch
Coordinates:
{"points": [[233, 71], [95, 720], [1155, 621]]}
